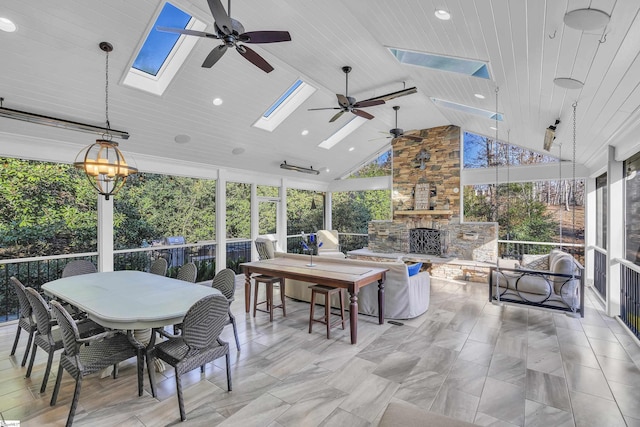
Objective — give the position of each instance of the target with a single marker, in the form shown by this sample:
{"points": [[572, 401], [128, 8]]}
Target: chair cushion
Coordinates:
{"points": [[414, 269]]}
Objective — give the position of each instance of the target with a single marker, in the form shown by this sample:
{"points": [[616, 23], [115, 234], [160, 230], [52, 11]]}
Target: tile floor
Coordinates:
{"points": [[466, 358]]}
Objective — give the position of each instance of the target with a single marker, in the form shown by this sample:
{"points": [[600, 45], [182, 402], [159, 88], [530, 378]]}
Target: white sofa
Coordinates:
{"points": [[553, 281], [405, 297]]}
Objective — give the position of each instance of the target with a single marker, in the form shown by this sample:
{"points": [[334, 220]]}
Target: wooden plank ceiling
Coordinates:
{"points": [[52, 65]]}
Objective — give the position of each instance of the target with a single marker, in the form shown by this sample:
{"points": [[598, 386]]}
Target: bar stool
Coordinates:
{"points": [[327, 291], [269, 281]]}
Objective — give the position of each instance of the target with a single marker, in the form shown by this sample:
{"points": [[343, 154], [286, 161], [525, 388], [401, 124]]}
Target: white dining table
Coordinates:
{"points": [[129, 300]]}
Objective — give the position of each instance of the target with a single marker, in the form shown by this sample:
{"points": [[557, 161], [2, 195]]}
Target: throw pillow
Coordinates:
{"points": [[541, 263], [414, 269]]}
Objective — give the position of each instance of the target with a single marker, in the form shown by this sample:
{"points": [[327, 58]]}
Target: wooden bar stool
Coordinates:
{"points": [[327, 291], [269, 281]]}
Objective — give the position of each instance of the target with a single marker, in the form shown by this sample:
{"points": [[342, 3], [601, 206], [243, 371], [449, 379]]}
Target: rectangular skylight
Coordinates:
{"points": [[468, 67], [343, 132], [286, 104], [468, 109], [158, 45], [162, 54]]}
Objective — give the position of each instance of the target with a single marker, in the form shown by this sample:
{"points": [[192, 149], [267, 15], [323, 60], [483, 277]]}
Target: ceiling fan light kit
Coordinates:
{"points": [[309, 170], [231, 33]]}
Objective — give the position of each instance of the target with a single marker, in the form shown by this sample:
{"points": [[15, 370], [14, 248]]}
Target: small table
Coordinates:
{"points": [[349, 277], [129, 300]]}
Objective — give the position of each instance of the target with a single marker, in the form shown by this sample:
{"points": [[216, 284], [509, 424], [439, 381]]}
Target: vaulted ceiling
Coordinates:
{"points": [[52, 65]]}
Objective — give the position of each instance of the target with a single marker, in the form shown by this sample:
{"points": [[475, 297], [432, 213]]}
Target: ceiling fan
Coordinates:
{"points": [[397, 132], [349, 104], [231, 32]]}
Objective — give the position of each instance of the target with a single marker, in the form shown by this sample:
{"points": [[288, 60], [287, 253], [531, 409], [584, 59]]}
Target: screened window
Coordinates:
{"points": [[483, 152], [601, 211], [152, 207], [632, 208], [45, 209]]}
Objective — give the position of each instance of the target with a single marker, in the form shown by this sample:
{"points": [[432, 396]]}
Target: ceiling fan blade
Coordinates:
{"points": [[327, 108], [257, 60], [223, 22], [343, 101], [265, 37], [186, 32], [393, 95], [368, 103], [362, 114], [336, 117], [213, 57]]}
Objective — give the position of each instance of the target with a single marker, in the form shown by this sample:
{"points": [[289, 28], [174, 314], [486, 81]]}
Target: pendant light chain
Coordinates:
{"points": [[106, 91], [573, 220], [495, 159]]}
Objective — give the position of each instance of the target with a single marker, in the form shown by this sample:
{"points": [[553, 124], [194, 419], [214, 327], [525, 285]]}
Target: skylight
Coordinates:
{"points": [[162, 54], [286, 104], [343, 132], [468, 67], [468, 109]]}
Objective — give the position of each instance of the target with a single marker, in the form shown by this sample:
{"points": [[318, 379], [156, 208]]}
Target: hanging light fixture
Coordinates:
{"points": [[102, 162]]}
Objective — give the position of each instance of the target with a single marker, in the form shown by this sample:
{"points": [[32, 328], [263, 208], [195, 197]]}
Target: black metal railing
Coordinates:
{"points": [[35, 272], [514, 249], [600, 272], [32, 272], [630, 298]]}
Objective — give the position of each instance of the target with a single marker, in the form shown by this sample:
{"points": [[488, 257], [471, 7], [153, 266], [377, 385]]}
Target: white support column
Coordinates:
{"points": [[589, 228], [615, 229], [282, 219], [255, 218], [105, 234], [328, 218], [221, 221]]}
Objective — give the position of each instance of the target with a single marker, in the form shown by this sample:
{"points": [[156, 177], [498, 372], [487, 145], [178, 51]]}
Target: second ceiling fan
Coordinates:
{"points": [[349, 104], [231, 32]]}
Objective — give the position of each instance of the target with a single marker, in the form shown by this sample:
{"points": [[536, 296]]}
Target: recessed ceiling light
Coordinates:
{"points": [[305, 132], [352, 148], [568, 83], [442, 14], [478, 95], [237, 150], [7, 25], [217, 101], [327, 170], [182, 139], [493, 128]]}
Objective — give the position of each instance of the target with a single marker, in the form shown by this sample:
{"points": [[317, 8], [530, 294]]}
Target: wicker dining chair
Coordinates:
{"points": [[101, 351], [25, 318], [225, 282], [198, 344], [78, 267], [188, 272], [48, 338], [159, 267]]}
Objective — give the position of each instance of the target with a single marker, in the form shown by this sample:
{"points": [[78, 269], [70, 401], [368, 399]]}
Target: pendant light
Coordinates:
{"points": [[102, 162]]}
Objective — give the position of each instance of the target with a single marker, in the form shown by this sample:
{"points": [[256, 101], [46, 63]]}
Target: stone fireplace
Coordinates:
{"points": [[426, 203]]}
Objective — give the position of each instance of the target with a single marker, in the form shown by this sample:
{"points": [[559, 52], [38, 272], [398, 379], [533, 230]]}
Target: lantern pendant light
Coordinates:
{"points": [[102, 162]]}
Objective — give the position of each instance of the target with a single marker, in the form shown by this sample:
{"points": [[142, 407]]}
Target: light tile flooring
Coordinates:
{"points": [[466, 358]]}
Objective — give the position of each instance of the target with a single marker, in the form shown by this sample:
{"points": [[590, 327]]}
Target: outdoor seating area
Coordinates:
{"points": [[401, 213], [464, 359]]}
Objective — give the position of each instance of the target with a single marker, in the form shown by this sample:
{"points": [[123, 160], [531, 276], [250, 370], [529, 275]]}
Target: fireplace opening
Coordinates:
{"points": [[426, 241]]}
